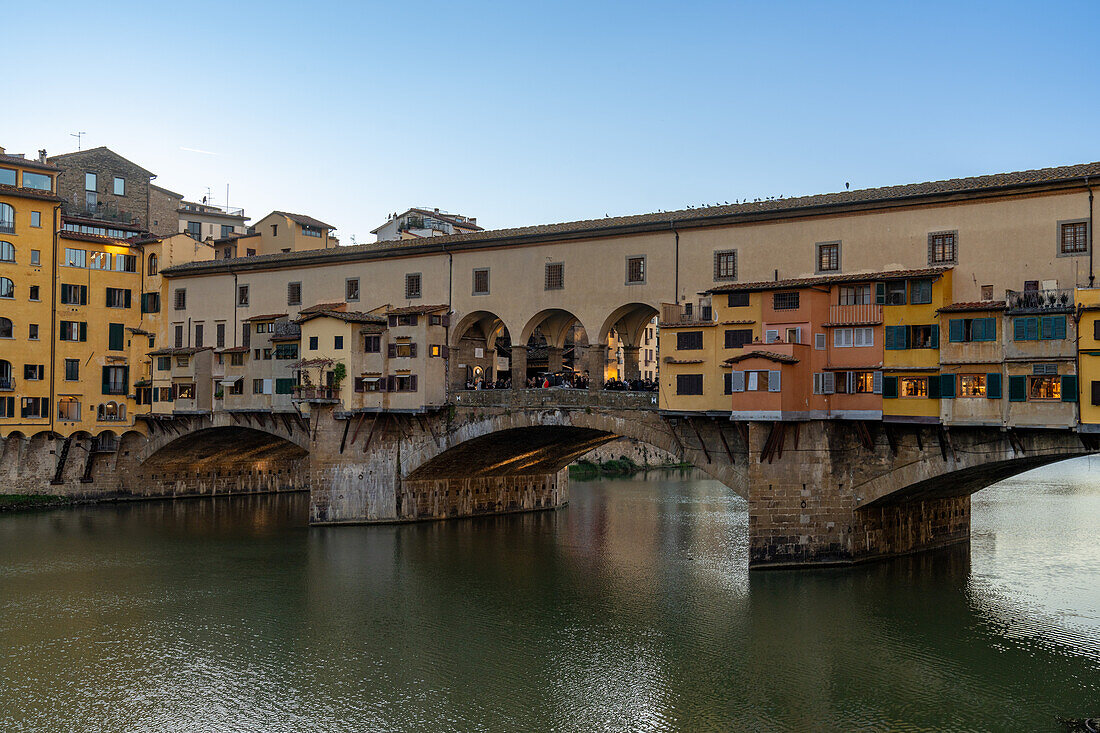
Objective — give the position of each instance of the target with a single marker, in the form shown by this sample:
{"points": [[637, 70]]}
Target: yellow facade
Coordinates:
{"points": [[915, 366], [28, 217], [1088, 349]]}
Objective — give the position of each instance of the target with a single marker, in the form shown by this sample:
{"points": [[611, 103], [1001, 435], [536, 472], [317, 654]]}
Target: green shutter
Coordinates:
{"points": [[284, 386], [891, 339], [889, 387], [106, 380], [947, 386], [1017, 388], [903, 337], [1019, 329], [935, 335], [115, 336], [1059, 327], [880, 293], [128, 296], [1031, 329], [993, 385], [125, 380], [934, 387], [1069, 386], [83, 331], [1046, 327], [985, 329], [955, 330]]}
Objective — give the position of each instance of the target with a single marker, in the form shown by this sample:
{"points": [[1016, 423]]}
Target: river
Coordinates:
{"points": [[631, 609]]}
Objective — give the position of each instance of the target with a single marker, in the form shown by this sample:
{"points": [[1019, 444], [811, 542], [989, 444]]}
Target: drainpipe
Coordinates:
{"points": [[676, 269], [447, 330], [52, 407], [1091, 275]]}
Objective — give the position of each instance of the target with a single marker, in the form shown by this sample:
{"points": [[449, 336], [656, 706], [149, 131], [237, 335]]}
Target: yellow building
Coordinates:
{"points": [[911, 360], [1088, 350], [29, 209]]}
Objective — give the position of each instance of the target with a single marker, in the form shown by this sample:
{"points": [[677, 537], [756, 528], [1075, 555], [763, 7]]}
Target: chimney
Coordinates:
{"points": [[42, 155], [1, 151]]}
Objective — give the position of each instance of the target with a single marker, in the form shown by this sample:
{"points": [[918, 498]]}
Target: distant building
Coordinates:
{"points": [[207, 221], [278, 232], [421, 223]]}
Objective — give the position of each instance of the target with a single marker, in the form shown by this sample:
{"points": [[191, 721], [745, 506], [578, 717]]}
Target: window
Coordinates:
{"points": [[227, 230], [794, 335], [1044, 388], [1038, 328], [689, 384], [987, 292], [725, 264], [972, 329], [237, 387], [738, 337], [7, 177], [913, 337], [554, 277], [912, 386], [182, 360], [971, 385], [76, 258], [242, 296], [32, 331], [7, 331], [337, 342], [828, 257], [71, 331], [372, 343], [257, 386], [126, 263], [236, 358], [435, 350], [72, 370], [34, 372], [115, 380], [37, 181], [32, 292], [635, 270], [194, 228], [293, 293], [785, 301], [118, 298], [36, 219], [689, 340], [7, 219], [286, 351], [35, 407], [119, 187], [864, 383], [99, 261], [180, 299], [850, 337], [36, 257], [178, 333], [7, 252], [312, 343], [761, 381], [199, 332], [855, 295], [7, 288], [737, 300], [403, 349], [164, 363], [351, 289], [1074, 238], [89, 181], [219, 335], [311, 231], [819, 341], [68, 408], [413, 282], [481, 281], [185, 391], [943, 248], [116, 336], [150, 302], [920, 292], [895, 292]]}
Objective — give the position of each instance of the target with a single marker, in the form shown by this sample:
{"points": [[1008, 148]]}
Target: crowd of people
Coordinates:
{"points": [[479, 383], [564, 379], [632, 385]]}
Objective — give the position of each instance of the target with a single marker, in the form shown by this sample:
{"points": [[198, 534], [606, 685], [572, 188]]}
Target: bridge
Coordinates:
{"points": [[818, 492]]}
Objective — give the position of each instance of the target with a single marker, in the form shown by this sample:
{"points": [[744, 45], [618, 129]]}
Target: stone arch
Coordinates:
{"points": [[555, 324], [476, 330], [629, 321], [227, 435]]}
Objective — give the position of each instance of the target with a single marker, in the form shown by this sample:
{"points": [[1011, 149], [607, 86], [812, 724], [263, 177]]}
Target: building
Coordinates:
{"points": [[420, 223], [210, 222], [101, 185], [1088, 344]]}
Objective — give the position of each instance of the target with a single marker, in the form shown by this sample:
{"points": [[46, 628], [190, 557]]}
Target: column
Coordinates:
{"points": [[597, 366], [553, 359], [519, 366], [631, 370]]}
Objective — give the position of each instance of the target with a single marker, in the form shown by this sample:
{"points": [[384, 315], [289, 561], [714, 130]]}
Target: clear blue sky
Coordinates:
{"points": [[525, 113]]}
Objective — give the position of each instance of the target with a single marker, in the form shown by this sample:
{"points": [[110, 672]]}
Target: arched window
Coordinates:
{"points": [[111, 412], [7, 331], [7, 252], [7, 288], [153, 264], [5, 374], [7, 219]]}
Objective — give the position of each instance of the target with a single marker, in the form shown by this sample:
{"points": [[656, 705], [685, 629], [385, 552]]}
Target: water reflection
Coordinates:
{"points": [[632, 609]]}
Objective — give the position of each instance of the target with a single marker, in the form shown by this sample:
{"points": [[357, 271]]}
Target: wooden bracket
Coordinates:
{"points": [[702, 444]]}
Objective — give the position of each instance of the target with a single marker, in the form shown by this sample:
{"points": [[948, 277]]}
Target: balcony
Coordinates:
{"points": [[100, 211], [212, 209], [1039, 301], [286, 329], [105, 444], [309, 393], [7, 384], [7, 227], [850, 315]]}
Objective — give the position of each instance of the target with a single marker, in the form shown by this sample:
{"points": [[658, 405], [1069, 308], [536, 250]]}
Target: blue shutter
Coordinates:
{"points": [[1059, 327], [935, 335], [947, 386], [1046, 327], [902, 337], [1017, 388], [891, 341], [934, 387], [993, 385], [880, 293], [955, 330], [889, 387], [1031, 329], [987, 330], [1069, 385], [1019, 329]]}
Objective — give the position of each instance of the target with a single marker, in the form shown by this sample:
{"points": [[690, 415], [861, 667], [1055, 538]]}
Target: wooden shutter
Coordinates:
{"points": [[446, 321], [993, 385], [880, 293], [412, 350], [935, 335], [828, 383], [1069, 387], [876, 383], [774, 376], [391, 351], [889, 387], [392, 321], [115, 336], [947, 386], [891, 339], [1017, 388], [106, 380], [955, 330], [1096, 329], [127, 298], [1096, 390], [445, 352], [246, 335], [1059, 327], [737, 381], [1019, 329], [412, 383], [83, 331], [727, 383], [934, 387]]}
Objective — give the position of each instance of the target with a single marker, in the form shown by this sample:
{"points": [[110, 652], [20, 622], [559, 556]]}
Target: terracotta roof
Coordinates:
{"points": [[805, 282], [449, 218], [29, 193], [84, 153], [690, 324], [417, 309], [234, 237], [266, 317], [980, 305], [769, 355], [26, 163], [287, 337], [324, 307], [235, 350], [304, 220], [97, 238], [347, 316], [671, 360], [849, 368], [858, 200], [182, 351]]}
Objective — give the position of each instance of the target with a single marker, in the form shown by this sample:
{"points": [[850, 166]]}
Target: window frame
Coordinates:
{"points": [[820, 250], [642, 269], [412, 278], [932, 244], [721, 264], [553, 276], [1061, 237], [474, 284]]}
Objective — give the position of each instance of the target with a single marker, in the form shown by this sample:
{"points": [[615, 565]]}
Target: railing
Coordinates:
{"points": [[862, 313], [1039, 300], [554, 397], [306, 393], [99, 211], [213, 209], [105, 444], [7, 385], [7, 227]]}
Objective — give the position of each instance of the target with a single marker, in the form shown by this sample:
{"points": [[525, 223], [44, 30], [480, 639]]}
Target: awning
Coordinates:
{"points": [[370, 379], [229, 382]]}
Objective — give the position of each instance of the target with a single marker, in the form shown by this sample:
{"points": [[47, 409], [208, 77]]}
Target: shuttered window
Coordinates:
{"points": [[689, 340], [293, 293], [689, 384]]}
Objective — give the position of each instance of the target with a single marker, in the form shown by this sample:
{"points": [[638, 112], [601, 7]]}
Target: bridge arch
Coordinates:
{"points": [[629, 322], [556, 325], [225, 438]]}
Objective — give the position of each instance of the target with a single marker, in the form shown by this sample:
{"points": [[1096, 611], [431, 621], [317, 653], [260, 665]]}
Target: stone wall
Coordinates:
{"points": [[639, 453], [106, 165]]}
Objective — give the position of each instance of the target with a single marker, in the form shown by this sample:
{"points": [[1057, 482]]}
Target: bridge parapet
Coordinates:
{"points": [[556, 397]]}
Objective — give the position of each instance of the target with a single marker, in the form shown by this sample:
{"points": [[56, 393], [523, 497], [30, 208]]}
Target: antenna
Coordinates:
{"points": [[77, 135]]}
